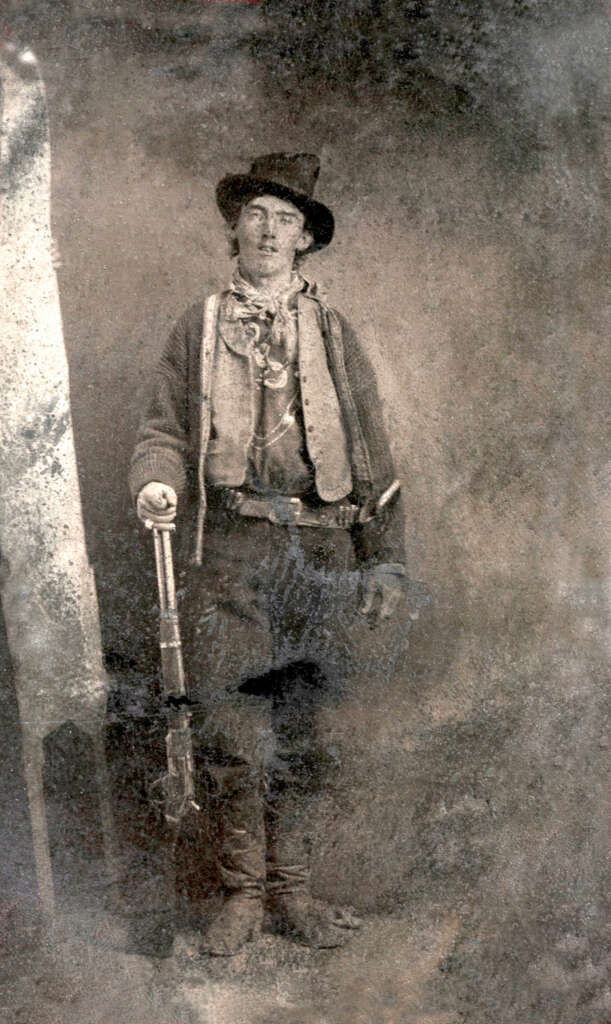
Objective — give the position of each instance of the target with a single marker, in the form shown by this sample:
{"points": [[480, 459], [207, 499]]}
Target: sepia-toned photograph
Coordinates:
{"points": [[305, 516]]}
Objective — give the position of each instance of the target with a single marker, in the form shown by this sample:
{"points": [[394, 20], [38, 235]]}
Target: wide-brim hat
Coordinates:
{"points": [[289, 176]]}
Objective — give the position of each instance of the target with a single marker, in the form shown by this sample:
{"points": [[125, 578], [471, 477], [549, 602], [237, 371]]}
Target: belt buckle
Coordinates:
{"points": [[233, 500], [345, 515], [284, 510]]}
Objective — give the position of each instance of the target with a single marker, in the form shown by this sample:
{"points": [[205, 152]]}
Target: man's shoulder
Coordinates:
{"points": [[341, 334], [192, 313], [203, 296], [320, 300], [191, 320]]}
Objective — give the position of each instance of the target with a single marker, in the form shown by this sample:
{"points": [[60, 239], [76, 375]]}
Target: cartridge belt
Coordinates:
{"points": [[283, 510]]}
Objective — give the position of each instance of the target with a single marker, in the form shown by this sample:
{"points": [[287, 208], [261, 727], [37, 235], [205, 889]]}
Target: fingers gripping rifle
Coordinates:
{"points": [[177, 785]]}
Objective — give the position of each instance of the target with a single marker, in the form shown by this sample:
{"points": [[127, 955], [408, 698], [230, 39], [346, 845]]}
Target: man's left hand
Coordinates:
{"points": [[384, 589]]}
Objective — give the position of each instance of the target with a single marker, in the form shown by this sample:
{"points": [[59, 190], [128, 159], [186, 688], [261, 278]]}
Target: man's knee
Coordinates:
{"points": [[238, 732]]}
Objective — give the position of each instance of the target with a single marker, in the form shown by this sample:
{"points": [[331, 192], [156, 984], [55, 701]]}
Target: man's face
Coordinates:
{"points": [[269, 232]]}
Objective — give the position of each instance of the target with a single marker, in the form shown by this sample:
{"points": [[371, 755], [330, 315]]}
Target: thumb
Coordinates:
{"points": [[168, 496], [369, 596], [390, 600], [160, 496]]}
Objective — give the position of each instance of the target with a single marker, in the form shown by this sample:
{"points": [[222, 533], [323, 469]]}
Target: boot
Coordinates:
{"points": [[296, 772], [292, 909], [241, 861]]}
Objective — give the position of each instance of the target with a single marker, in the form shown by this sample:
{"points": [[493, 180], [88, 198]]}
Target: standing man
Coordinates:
{"points": [[265, 436]]}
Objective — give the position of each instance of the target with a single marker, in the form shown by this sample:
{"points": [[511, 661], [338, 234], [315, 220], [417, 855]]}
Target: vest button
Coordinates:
{"points": [[310, 430]]}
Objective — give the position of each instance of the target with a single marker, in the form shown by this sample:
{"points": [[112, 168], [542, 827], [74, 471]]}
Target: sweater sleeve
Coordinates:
{"points": [[382, 539], [162, 444]]}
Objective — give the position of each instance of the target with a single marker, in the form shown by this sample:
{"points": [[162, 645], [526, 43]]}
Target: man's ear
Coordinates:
{"points": [[305, 241], [232, 241]]}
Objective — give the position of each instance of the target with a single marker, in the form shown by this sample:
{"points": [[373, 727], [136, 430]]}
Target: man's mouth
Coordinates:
{"points": [[267, 249]]}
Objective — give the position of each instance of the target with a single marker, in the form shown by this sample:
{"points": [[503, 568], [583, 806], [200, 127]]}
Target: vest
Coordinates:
{"points": [[228, 405]]}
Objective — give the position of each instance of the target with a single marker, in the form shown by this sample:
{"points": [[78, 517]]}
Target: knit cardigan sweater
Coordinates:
{"points": [[169, 447]]}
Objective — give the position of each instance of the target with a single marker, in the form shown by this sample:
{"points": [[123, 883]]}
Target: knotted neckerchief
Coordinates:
{"points": [[245, 302]]}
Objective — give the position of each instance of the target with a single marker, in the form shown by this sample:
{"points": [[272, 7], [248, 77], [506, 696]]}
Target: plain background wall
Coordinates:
{"points": [[470, 252]]}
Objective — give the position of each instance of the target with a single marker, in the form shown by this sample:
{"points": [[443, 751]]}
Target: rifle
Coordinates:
{"points": [[177, 785]]}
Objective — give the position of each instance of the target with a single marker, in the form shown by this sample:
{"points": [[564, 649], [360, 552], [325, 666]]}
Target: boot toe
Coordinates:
{"points": [[237, 923], [309, 922]]}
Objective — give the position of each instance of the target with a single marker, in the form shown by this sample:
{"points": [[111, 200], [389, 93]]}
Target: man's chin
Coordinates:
{"points": [[268, 268]]}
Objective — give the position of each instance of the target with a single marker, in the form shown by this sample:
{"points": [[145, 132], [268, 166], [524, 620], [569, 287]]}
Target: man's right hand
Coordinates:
{"points": [[157, 502]]}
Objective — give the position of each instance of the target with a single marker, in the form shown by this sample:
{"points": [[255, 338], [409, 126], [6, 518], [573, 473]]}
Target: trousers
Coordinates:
{"points": [[270, 625]]}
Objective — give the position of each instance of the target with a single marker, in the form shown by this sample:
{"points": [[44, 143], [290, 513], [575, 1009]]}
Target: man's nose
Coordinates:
{"points": [[269, 227]]}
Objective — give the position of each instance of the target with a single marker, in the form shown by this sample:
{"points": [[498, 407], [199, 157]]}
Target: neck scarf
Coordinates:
{"points": [[245, 301]]}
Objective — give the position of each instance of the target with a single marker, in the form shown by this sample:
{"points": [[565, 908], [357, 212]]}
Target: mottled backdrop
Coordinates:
{"points": [[461, 151]]}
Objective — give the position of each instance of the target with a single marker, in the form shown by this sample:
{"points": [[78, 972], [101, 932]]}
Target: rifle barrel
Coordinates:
{"points": [[159, 564]]}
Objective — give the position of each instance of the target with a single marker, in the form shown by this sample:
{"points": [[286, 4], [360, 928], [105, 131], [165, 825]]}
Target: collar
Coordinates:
{"points": [[244, 300]]}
